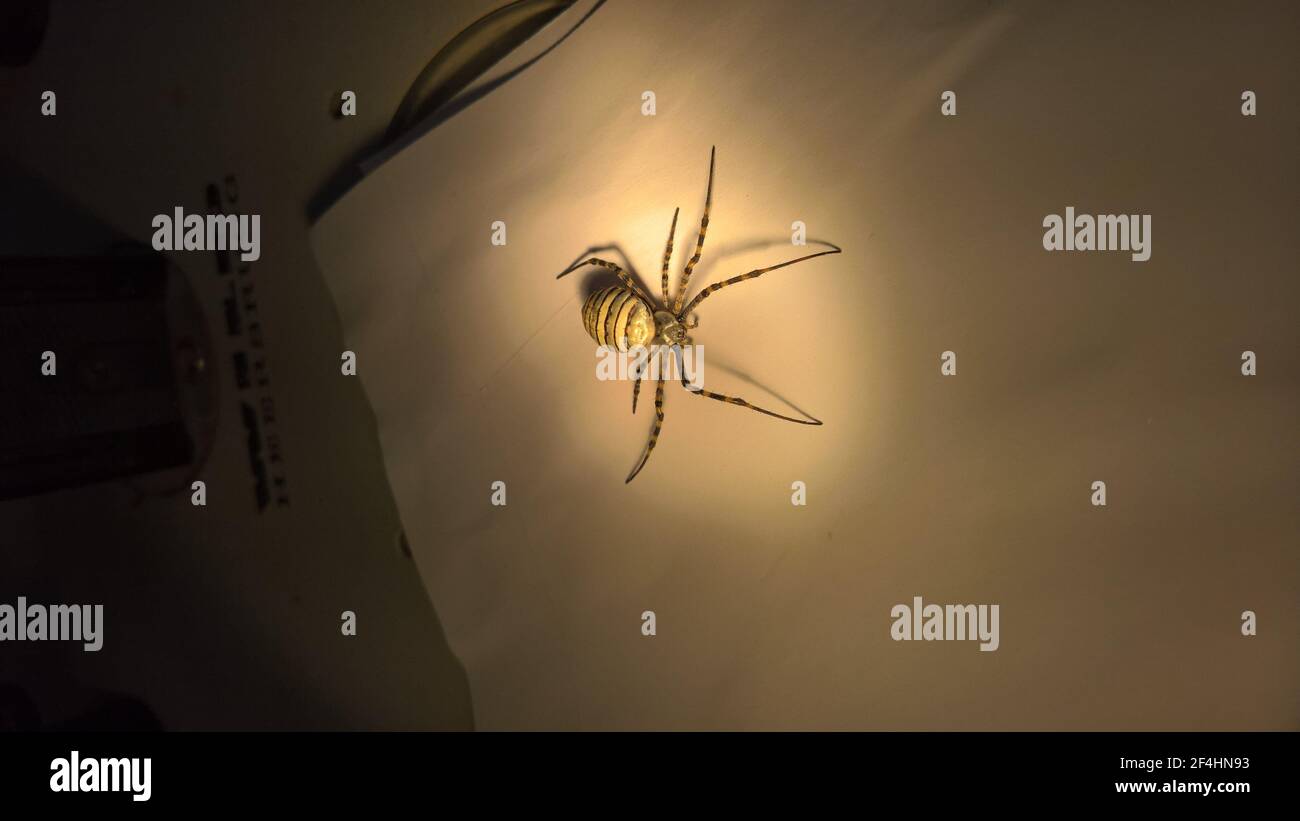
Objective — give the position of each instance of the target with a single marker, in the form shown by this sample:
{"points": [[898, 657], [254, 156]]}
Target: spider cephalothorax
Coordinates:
{"points": [[626, 318], [669, 330]]}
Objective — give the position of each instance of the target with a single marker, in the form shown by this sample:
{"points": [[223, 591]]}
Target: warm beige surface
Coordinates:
{"points": [[1072, 368]]}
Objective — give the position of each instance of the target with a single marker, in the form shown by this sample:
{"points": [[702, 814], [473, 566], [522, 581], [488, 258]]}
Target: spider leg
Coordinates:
{"points": [[732, 400], [636, 386], [668, 253], [718, 286], [699, 243], [654, 434], [623, 275], [603, 251]]}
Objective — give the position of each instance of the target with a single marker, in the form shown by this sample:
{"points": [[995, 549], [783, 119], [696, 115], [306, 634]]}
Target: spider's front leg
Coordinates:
{"points": [[733, 400], [668, 255], [699, 240]]}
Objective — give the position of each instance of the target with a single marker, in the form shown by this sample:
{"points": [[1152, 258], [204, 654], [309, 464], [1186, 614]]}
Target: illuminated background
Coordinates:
{"points": [[969, 489], [973, 489]]}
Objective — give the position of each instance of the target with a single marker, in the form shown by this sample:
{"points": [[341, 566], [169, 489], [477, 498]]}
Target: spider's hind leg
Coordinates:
{"points": [[636, 388], [623, 275], [654, 434]]}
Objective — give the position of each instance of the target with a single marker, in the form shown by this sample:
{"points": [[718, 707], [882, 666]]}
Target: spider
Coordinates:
{"points": [[626, 317]]}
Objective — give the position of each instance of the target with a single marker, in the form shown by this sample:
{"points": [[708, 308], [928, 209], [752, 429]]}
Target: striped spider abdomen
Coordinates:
{"points": [[618, 318]]}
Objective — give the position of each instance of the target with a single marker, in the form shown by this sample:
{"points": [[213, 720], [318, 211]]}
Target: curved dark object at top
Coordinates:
{"points": [[483, 44]]}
